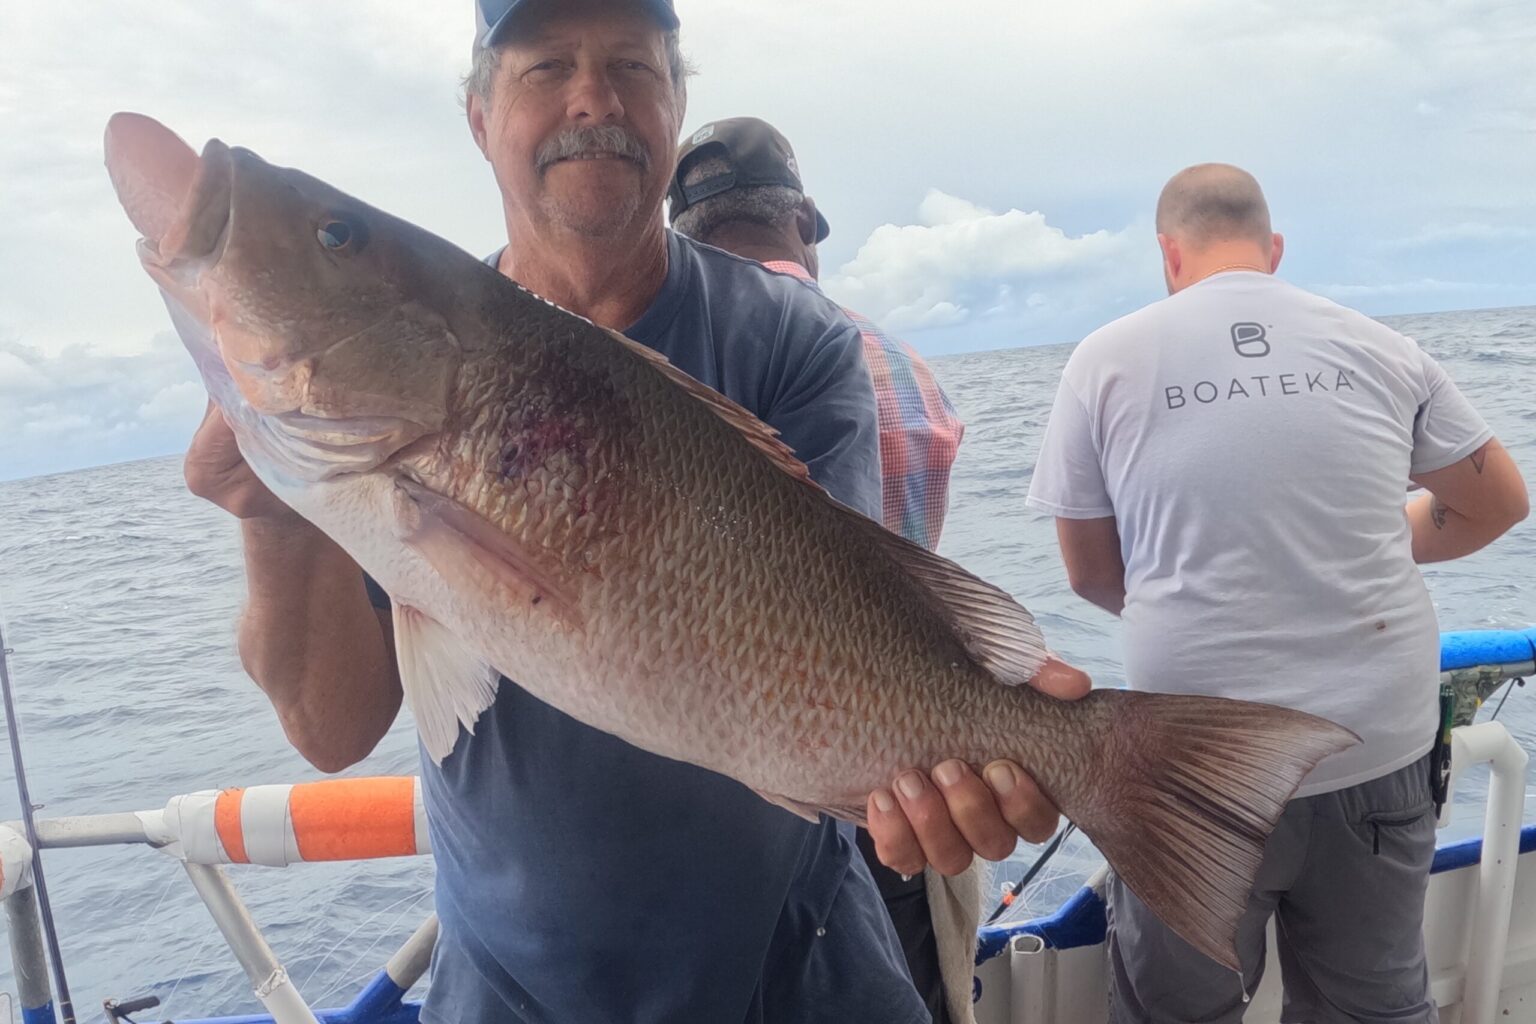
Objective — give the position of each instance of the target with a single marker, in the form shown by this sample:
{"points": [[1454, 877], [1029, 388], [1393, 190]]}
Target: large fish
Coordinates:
{"points": [[548, 500]]}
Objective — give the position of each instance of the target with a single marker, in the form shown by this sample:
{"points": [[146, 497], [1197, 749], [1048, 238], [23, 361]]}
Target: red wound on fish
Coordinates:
{"points": [[538, 438]]}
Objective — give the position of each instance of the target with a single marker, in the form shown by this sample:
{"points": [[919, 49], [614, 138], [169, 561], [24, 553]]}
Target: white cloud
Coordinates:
{"points": [[363, 93], [49, 424], [18, 377], [961, 261], [1506, 122], [1475, 232], [84, 406], [1421, 286], [179, 403], [1077, 113]]}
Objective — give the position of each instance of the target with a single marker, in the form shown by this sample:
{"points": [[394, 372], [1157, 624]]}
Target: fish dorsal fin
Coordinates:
{"points": [[997, 632], [762, 437]]}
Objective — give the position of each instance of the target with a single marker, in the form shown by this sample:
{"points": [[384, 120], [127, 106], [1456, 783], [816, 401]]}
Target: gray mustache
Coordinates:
{"points": [[607, 138]]}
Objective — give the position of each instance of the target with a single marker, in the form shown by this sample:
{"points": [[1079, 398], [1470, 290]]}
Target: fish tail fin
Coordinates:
{"points": [[1189, 789]]}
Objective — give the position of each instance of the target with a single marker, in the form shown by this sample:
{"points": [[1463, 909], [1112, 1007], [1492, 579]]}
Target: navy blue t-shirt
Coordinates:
{"points": [[581, 880]]}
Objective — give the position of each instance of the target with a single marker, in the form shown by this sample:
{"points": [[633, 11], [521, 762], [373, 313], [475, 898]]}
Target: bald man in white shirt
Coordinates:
{"points": [[1227, 470]]}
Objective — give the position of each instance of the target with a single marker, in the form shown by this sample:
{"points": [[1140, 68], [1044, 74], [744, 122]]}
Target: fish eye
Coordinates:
{"points": [[339, 235]]}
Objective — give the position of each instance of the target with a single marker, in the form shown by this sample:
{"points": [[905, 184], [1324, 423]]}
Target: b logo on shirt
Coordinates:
{"points": [[1249, 340]]}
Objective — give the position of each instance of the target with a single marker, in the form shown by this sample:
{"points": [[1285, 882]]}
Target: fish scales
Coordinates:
{"points": [[831, 624]]}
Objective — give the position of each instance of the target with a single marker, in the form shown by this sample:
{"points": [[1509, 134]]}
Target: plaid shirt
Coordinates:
{"points": [[919, 431]]}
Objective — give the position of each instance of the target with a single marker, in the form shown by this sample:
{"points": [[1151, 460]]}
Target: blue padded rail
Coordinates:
{"points": [[1486, 647], [1078, 922]]}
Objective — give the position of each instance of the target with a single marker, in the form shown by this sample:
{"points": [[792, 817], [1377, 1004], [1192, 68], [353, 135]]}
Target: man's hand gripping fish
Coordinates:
{"points": [[547, 500]]}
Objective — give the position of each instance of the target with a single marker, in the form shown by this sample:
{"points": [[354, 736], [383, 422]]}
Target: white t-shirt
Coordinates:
{"points": [[1254, 443]]}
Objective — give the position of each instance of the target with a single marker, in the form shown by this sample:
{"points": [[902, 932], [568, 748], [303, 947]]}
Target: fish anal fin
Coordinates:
{"points": [[795, 807], [446, 685], [459, 544], [812, 812], [1187, 796]]}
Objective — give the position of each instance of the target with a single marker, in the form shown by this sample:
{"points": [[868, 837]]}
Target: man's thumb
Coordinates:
{"points": [[1058, 679]]}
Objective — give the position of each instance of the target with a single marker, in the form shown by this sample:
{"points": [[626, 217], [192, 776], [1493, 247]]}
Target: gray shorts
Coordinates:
{"points": [[1345, 875]]}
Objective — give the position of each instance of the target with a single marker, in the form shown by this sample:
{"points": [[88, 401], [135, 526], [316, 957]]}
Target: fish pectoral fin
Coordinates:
{"points": [[461, 545], [445, 684], [795, 807]]}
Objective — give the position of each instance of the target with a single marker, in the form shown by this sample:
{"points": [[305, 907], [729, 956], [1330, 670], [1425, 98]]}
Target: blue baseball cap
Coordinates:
{"points": [[493, 16]]}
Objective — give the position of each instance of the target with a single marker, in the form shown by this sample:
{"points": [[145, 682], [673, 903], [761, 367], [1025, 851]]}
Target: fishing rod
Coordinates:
{"points": [[1029, 876], [39, 885], [1509, 688]]}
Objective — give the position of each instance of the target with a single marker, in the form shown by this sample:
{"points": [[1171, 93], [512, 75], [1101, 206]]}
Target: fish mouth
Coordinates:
{"points": [[195, 243], [181, 203]]}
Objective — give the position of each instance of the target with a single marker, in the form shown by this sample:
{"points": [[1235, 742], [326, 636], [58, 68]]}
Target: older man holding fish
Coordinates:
{"points": [[579, 877], [540, 498]]}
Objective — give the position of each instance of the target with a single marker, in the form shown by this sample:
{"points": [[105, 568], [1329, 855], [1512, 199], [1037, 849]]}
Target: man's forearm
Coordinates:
{"points": [[314, 644], [1440, 533], [1090, 550], [1107, 594]]}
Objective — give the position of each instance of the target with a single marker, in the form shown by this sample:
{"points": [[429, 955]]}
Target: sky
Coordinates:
{"points": [[989, 167]]}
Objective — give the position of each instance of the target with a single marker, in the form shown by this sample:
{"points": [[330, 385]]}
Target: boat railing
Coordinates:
{"points": [[274, 826], [1491, 744], [371, 818]]}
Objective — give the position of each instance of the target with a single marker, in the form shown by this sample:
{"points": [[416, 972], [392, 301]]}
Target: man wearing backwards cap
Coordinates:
{"points": [[581, 880], [737, 187]]}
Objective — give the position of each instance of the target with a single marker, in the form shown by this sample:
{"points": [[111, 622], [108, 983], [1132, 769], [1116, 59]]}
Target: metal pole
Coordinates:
{"points": [[29, 961], [87, 830], [269, 978], [407, 966], [1489, 928], [66, 1007]]}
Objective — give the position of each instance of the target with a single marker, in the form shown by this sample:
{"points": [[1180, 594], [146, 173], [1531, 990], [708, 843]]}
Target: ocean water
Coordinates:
{"points": [[120, 592]]}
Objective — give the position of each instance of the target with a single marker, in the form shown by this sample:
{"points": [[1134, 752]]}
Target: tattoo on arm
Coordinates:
{"points": [[1479, 458], [1437, 511]]}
